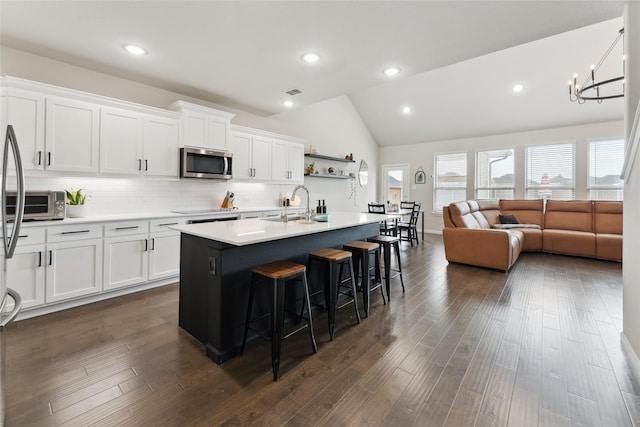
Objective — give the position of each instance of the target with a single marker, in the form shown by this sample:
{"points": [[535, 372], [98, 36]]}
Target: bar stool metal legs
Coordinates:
{"points": [[386, 243], [332, 259], [362, 252], [278, 274]]}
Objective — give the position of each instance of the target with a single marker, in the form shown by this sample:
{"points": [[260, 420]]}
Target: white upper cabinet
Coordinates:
{"points": [[203, 127], [135, 143], [287, 162], [25, 111], [251, 156], [72, 135]]}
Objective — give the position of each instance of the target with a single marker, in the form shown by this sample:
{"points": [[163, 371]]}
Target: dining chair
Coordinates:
{"points": [[411, 227], [386, 227]]}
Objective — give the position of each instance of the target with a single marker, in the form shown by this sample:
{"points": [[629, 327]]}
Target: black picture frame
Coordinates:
{"points": [[420, 177]]}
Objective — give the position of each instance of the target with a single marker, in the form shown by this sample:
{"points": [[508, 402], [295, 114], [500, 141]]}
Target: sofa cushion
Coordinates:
{"points": [[607, 217], [569, 242], [490, 209], [461, 215], [574, 215], [525, 211], [609, 247]]}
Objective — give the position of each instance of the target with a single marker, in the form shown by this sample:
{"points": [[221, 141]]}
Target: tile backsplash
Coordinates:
{"points": [[133, 195]]}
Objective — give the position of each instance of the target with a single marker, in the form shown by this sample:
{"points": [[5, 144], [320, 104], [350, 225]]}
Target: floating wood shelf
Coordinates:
{"points": [[336, 159], [328, 175]]}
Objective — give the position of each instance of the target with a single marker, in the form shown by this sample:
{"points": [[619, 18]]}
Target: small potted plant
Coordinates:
{"points": [[76, 207]]}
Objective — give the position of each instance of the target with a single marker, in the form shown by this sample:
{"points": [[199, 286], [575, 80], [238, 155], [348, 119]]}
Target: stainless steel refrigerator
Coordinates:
{"points": [[11, 301]]}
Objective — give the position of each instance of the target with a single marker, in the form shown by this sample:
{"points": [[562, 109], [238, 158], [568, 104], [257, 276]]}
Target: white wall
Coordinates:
{"points": [[422, 155], [333, 127], [631, 249]]}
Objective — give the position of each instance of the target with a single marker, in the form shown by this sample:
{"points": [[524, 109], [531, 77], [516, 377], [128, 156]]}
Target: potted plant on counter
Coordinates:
{"points": [[76, 207]]}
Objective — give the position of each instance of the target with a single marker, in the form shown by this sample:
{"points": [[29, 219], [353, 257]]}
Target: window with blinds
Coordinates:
{"points": [[550, 171], [450, 183], [605, 165], [495, 174]]}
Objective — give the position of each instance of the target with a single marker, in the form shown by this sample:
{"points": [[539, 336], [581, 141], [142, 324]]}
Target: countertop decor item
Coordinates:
{"points": [[76, 203]]}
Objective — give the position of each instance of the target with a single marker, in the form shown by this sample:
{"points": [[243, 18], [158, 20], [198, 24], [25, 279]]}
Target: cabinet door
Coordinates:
{"points": [[217, 133], [164, 255], [125, 261], [279, 161], [120, 141], [73, 269], [261, 158], [25, 274], [241, 149], [195, 130], [161, 145], [71, 135], [25, 111], [295, 160]]}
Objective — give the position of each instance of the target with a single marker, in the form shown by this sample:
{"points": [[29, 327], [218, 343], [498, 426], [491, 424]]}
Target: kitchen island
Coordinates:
{"points": [[215, 268]]}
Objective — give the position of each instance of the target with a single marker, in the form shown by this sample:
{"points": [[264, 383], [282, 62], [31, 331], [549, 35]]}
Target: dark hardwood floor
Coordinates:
{"points": [[463, 346]]}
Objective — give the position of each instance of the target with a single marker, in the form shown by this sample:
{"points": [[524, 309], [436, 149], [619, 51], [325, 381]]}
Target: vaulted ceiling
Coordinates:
{"points": [[458, 59]]}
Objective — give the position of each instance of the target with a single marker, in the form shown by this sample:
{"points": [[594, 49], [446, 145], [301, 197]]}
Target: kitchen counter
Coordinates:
{"points": [[216, 261], [247, 232]]}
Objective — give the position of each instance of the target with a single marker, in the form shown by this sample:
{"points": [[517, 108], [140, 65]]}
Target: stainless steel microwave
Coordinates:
{"points": [[39, 205], [205, 164]]}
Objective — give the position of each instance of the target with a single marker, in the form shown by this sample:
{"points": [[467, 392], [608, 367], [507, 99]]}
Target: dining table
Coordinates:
{"points": [[396, 216]]}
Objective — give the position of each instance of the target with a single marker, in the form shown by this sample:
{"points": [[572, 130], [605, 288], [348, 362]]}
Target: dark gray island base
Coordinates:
{"points": [[215, 279]]}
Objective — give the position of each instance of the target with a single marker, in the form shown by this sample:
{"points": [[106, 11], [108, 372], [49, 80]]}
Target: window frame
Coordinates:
{"points": [[596, 187], [477, 170], [572, 188], [436, 188]]}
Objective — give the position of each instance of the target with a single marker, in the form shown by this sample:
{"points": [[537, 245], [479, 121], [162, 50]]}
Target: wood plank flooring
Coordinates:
{"points": [[464, 346]]}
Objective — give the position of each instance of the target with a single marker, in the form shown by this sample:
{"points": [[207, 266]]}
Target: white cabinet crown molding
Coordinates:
{"points": [[188, 106], [266, 134]]}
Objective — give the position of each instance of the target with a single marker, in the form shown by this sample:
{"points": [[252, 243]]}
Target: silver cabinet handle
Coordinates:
{"points": [[212, 266], [75, 232], [168, 223], [133, 227]]}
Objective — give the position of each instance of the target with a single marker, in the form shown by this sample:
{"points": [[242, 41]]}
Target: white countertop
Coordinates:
{"points": [[142, 216], [249, 231]]}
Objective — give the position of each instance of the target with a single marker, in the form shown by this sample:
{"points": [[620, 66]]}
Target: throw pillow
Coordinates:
{"points": [[508, 219]]}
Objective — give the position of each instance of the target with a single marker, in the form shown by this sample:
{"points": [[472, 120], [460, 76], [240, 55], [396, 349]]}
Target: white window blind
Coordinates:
{"points": [[450, 183], [605, 165], [550, 172], [495, 174]]}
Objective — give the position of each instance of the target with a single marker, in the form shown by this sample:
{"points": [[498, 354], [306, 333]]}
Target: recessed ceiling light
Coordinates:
{"points": [[287, 103], [391, 71], [310, 57], [406, 110], [134, 50], [518, 88]]}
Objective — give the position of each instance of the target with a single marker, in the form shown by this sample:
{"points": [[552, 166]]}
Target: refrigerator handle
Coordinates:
{"points": [[11, 241], [17, 306]]}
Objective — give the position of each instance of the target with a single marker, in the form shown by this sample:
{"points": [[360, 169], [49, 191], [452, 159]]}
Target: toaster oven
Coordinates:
{"points": [[38, 205]]}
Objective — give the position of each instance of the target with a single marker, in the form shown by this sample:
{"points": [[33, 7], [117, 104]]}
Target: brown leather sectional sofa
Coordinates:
{"points": [[474, 235]]}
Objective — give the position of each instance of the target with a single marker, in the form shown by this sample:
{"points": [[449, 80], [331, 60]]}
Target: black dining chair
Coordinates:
{"points": [[387, 228], [411, 227]]}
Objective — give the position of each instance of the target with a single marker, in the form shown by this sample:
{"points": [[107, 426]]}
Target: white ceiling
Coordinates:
{"points": [[246, 54]]}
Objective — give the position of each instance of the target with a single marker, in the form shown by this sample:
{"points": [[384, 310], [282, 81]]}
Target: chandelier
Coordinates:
{"points": [[590, 88]]}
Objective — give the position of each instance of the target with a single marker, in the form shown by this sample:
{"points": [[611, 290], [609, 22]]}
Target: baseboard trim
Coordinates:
{"points": [[631, 354]]}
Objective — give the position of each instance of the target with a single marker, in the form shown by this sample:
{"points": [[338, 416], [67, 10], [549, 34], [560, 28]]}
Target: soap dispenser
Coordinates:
{"points": [[324, 208], [319, 208]]}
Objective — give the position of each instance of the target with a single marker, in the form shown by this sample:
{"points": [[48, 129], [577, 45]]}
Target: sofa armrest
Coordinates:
{"points": [[497, 249]]}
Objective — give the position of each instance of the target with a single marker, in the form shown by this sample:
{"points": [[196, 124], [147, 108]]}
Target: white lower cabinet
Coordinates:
{"points": [[126, 261], [73, 269], [164, 254], [25, 274]]}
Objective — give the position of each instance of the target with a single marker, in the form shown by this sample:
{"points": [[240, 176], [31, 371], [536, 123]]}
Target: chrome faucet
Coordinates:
{"points": [[293, 195]]}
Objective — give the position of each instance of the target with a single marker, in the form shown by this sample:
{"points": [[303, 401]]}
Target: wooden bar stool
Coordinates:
{"points": [[331, 259], [386, 243], [278, 273], [362, 252]]}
